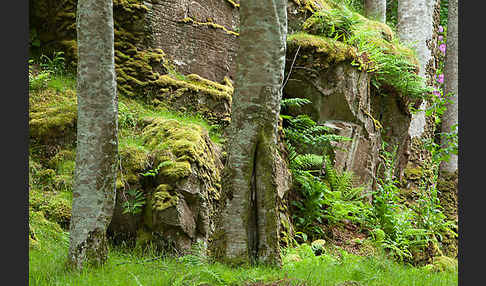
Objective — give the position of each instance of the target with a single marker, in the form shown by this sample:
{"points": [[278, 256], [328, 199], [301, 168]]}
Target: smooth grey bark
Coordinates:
{"points": [[375, 9], [97, 143], [451, 69], [250, 223], [417, 24], [416, 27]]}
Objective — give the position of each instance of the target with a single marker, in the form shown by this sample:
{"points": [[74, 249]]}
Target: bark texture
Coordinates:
{"points": [[250, 222], [97, 145], [376, 10], [450, 116], [417, 21], [448, 175]]}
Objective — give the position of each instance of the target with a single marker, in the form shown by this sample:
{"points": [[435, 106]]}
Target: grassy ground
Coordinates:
{"points": [[301, 267]]}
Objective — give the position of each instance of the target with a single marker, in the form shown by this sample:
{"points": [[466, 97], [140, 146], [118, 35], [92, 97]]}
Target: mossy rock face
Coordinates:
{"points": [[412, 173], [178, 168], [299, 10], [142, 68], [42, 230], [52, 117], [163, 198], [447, 186], [55, 207], [322, 52]]}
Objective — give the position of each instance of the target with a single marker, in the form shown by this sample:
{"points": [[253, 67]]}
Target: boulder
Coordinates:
{"points": [[180, 180]]}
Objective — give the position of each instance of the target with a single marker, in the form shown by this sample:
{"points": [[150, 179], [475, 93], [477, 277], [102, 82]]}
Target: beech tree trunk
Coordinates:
{"points": [[450, 116], [447, 184], [97, 143], [250, 223], [417, 25], [376, 10]]}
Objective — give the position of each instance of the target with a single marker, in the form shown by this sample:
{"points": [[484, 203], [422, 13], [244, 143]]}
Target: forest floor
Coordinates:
{"points": [[300, 267]]}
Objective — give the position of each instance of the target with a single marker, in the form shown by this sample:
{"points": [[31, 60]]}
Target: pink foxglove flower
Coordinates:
{"points": [[441, 29], [441, 38], [442, 48], [440, 79]]}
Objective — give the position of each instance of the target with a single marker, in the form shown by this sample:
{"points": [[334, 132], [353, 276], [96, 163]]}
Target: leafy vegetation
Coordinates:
{"points": [[379, 51], [326, 195], [329, 198]]}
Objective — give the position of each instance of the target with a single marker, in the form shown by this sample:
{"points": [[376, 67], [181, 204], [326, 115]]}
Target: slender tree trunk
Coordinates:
{"points": [[450, 116], [417, 22], [447, 184], [250, 224], [376, 10], [97, 143]]}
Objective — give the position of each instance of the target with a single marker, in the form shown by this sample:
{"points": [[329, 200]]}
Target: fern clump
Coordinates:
{"points": [[327, 196], [376, 49]]}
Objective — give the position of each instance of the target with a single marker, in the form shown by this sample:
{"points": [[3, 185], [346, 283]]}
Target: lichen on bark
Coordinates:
{"points": [[97, 143]]}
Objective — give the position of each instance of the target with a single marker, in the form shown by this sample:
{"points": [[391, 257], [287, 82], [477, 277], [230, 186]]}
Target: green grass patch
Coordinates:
{"points": [[301, 267]]}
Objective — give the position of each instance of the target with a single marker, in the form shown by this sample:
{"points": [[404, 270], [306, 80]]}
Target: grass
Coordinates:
{"points": [[133, 267]]}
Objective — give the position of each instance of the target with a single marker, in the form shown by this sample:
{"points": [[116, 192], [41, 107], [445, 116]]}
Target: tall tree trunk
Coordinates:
{"points": [[97, 143], [250, 223], [448, 172], [450, 116], [417, 23], [376, 10]]}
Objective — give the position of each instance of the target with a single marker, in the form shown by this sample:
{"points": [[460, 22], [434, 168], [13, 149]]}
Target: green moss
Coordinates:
{"points": [[313, 5], [233, 3], [326, 50], [163, 198], [413, 173], [197, 84], [133, 160], [209, 24], [41, 230], [52, 115], [135, 67], [55, 207], [176, 170], [183, 144]]}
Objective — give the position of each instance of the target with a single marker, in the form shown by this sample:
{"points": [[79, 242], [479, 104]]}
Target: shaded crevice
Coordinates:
{"points": [[253, 212]]}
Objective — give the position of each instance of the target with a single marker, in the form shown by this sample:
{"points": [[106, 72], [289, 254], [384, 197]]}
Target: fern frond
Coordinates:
{"points": [[294, 102], [308, 162]]}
